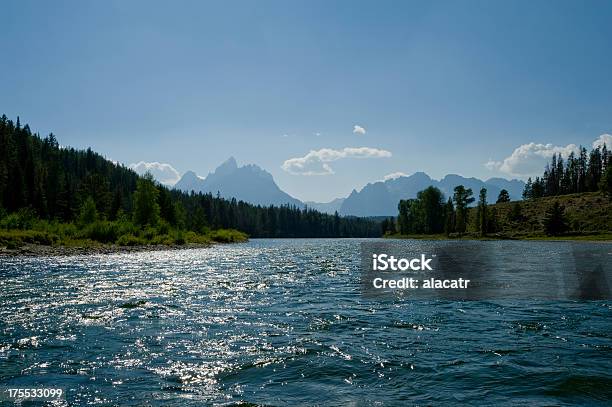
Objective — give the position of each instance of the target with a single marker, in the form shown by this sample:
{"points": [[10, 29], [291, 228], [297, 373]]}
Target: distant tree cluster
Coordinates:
{"points": [[69, 185], [585, 172], [429, 213]]}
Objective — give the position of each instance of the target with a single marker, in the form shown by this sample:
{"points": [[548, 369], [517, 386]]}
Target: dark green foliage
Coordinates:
{"points": [[481, 213], [88, 213], [146, 207], [56, 182], [516, 213], [555, 222], [388, 226], [449, 217], [503, 196], [582, 173], [425, 214], [462, 198], [605, 185]]}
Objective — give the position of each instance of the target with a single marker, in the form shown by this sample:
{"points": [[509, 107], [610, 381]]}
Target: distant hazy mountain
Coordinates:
{"points": [[326, 207], [248, 183], [252, 184], [381, 198]]}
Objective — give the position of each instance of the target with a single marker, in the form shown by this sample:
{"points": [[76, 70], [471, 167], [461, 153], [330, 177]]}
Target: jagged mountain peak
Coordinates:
{"points": [[381, 198], [227, 167], [249, 183]]}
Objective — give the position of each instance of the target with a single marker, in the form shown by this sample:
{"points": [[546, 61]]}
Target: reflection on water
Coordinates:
{"points": [[283, 322]]}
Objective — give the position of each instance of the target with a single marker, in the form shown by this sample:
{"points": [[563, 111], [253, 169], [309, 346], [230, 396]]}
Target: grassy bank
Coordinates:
{"points": [[18, 231], [588, 217]]}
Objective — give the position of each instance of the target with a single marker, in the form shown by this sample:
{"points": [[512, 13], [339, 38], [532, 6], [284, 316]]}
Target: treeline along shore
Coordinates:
{"points": [[571, 200], [58, 196]]}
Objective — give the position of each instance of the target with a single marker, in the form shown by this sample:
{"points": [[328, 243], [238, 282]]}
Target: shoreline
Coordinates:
{"points": [[36, 250], [595, 238]]}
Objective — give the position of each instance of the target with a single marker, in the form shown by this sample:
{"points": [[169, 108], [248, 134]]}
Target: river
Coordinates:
{"points": [[284, 322]]}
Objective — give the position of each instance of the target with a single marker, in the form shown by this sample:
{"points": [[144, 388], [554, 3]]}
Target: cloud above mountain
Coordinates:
{"points": [[162, 172], [394, 175], [603, 139], [359, 130], [529, 160], [316, 162]]}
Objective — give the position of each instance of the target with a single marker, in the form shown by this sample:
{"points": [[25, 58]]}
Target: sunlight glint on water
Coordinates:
{"points": [[282, 322]]}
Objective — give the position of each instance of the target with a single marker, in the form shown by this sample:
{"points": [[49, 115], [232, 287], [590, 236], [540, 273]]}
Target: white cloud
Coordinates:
{"points": [[603, 139], [394, 175], [316, 161], [164, 173], [358, 130], [529, 159]]}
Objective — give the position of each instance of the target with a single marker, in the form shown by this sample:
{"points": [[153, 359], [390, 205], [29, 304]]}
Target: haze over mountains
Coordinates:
{"points": [[381, 198], [248, 183], [252, 184]]}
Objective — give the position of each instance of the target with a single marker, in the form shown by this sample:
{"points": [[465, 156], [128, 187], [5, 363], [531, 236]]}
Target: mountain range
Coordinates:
{"points": [[248, 183], [252, 184], [381, 198]]}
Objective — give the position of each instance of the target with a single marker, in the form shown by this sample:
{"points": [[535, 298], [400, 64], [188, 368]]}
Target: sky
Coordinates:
{"points": [[325, 95]]}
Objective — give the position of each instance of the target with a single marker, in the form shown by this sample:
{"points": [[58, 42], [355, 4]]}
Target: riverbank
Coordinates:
{"points": [[37, 250], [42, 243], [600, 237]]}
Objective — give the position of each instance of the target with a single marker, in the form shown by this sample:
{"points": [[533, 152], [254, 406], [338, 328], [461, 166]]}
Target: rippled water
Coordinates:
{"points": [[282, 322]]}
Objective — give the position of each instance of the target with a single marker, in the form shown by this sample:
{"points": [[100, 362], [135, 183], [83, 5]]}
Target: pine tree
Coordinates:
{"points": [[462, 198], [605, 184], [88, 213], [449, 217], [503, 196], [482, 212], [555, 222], [146, 208], [527, 191]]}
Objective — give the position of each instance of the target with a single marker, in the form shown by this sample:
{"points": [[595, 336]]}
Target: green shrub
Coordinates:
{"points": [[227, 236], [102, 231], [88, 213], [180, 238], [163, 228], [15, 238], [129, 240], [149, 233], [22, 219], [193, 237]]}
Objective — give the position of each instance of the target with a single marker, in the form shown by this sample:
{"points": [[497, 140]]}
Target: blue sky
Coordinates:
{"points": [[440, 87]]}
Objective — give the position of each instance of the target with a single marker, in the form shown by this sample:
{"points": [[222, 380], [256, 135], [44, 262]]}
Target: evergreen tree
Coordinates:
{"points": [[391, 226], [555, 222], [432, 204], [146, 208], [88, 213], [527, 191], [482, 212], [503, 196], [516, 213], [605, 184], [492, 221], [449, 217], [462, 198]]}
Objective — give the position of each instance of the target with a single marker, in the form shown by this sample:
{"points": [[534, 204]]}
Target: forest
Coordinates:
{"points": [[81, 194], [588, 176], [585, 172]]}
